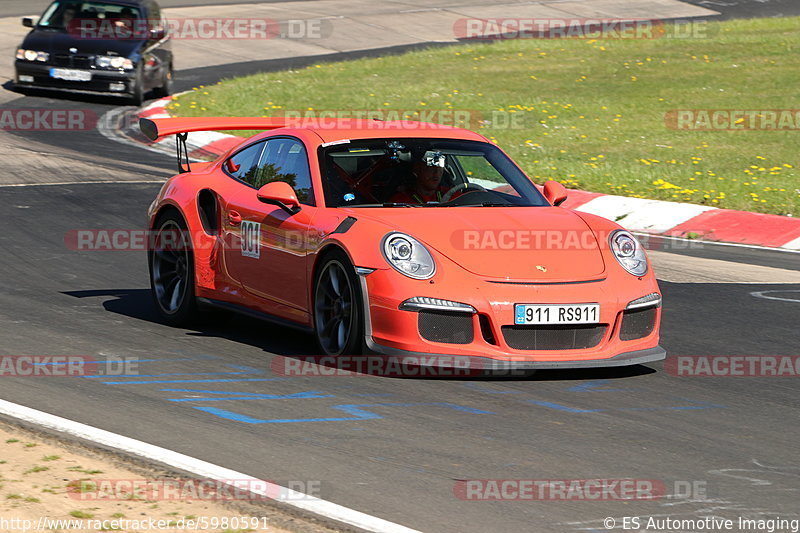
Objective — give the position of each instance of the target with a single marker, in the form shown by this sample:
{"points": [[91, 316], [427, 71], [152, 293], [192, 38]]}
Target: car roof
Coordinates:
{"points": [[330, 130]]}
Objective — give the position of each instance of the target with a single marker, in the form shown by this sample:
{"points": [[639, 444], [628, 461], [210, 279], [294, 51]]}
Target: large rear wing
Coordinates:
{"points": [[181, 127]]}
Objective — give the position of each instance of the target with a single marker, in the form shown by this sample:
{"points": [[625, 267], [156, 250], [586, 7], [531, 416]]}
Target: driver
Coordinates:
{"points": [[427, 186], [67, 16]]}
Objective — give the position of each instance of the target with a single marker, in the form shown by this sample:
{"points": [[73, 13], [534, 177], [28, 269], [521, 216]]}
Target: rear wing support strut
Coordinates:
{"points": [[182, 152]]}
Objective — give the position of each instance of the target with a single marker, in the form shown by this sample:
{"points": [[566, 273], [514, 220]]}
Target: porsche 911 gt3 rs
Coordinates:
{"points": [[401, 239]]}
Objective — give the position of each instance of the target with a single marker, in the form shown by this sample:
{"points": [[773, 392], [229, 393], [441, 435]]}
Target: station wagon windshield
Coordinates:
{"points": [[64, 15]]}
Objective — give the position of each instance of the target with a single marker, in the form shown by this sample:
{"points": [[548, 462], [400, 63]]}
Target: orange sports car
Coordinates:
{"points": [[403, 239]]}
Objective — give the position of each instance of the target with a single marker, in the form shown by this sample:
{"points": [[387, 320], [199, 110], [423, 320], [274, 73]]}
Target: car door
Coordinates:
{"points": [[266, 247]]}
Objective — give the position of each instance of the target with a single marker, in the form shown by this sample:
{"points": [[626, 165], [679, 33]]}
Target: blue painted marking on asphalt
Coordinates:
{"points": [[594, 386], [190, 381], [247, 396], [247, 368], [357, 411], [204, 391], [480, 388], [230, 415], [560, 407]]}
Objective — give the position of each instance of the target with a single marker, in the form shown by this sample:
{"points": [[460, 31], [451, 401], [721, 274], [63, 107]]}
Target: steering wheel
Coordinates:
{"points": [[466, 186]]}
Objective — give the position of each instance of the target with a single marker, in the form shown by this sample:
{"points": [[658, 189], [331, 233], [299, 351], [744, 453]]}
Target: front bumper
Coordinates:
{"points": [[100, 83], [489, 337]]}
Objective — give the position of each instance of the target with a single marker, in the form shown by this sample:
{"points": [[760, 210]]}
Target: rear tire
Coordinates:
{"points": [[171, 265], [337, 304]]}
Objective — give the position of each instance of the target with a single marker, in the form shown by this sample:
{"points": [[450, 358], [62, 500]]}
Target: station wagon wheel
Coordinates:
{"points": [[337, 301], [172, 272], [137, 89]]}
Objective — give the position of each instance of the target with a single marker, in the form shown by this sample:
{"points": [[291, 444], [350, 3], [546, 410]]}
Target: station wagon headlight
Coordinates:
{"points": [[628, 252], [113, 62], [32, 55], [408, 256]]}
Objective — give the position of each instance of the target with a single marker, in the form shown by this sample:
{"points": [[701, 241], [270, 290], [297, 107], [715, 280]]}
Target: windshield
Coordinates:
{"points": [[423, 173], [64, 15]]}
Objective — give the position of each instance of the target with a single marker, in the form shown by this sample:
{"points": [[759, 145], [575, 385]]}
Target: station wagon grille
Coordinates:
{"points": [[72, 61]]}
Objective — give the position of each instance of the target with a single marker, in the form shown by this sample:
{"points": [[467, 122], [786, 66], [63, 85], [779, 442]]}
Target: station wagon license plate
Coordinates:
{"points": [[70, 74], [556, 314]]}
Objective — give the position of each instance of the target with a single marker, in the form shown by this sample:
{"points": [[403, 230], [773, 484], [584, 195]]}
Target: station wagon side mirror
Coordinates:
{"points": [[29, 22], [281, 194], [158, 33], [555, 192]]}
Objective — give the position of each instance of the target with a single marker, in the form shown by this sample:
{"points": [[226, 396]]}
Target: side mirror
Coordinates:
{"points": [[231, 167], [29, 22], [281, 194], [158, 33], [555, 192]]}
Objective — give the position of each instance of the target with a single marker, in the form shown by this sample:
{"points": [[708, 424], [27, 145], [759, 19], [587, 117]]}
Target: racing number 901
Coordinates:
{"points": [[250, 237]]}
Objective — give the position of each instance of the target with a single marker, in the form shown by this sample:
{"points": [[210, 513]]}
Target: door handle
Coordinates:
{"points": [[234, 218]]}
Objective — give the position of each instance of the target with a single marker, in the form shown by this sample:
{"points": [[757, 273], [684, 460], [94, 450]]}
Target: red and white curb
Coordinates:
{"points": [[201, 468], [655, 217]]}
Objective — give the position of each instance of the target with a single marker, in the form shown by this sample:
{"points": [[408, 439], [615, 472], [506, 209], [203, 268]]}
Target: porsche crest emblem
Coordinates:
{"points": [[541, 268]]}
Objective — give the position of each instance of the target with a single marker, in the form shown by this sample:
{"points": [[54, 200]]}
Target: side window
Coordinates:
{"points": [[244, 164], [286, 160]]}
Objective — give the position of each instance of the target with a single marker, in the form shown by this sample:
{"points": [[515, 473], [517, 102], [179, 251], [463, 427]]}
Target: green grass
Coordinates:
{"points": [[80, 514], [592, 113]]}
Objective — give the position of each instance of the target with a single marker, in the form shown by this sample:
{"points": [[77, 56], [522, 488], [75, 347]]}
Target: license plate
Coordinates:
{"points": [[70, 74], [556, 313]]}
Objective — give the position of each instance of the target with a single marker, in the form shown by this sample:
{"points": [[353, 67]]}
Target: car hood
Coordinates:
{"points": [[515, 243], [54, 42]]}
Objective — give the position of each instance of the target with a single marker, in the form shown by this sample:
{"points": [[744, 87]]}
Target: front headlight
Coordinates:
{"points": [[408, 256], [32, 55], [113, 62], [628, 252]]}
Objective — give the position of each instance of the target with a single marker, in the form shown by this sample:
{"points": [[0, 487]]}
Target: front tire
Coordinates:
{"points": [[171, 263], [137, 91], [166, 84], [338, 314]]}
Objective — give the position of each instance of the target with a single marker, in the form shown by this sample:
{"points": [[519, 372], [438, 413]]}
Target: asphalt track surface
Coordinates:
{"points": [[401, 445]]}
